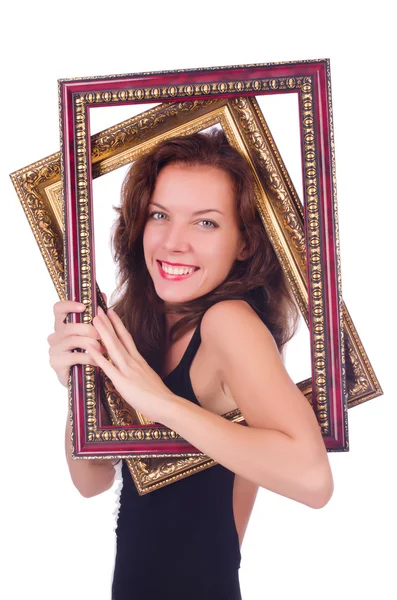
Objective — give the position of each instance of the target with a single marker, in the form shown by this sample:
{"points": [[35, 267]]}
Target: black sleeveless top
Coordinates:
{"points": [[180, 541]]}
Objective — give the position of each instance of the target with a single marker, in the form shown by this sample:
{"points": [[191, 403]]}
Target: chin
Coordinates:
{"points": [[180, 299]]}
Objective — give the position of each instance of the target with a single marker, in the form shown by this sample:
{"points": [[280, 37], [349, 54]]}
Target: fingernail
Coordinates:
{"points": [[100, 311]]}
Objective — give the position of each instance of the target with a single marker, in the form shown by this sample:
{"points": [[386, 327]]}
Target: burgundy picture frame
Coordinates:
{"points": [[311, 81]]}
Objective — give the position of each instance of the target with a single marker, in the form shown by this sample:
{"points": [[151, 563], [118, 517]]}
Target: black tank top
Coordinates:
{"points": [[180, 541]]}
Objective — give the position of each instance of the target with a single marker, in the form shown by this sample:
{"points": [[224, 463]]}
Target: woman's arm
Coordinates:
{"points": [[91, 477], [282, 449]]}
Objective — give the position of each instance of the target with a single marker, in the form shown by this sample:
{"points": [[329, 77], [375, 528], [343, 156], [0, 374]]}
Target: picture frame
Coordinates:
{"points": [[311, 81]]}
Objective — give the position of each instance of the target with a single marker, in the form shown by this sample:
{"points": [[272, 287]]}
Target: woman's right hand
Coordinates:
{"points": [[67, 337]]}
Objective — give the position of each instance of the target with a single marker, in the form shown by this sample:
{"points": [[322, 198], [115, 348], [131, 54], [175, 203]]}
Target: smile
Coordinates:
{"points": [[174, 277]]}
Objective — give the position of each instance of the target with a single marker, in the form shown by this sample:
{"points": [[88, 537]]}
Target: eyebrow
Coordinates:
{"points": [[197, 212]]}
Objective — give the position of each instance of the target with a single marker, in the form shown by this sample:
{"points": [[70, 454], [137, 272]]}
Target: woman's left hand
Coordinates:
{"points": [[131, 375]]}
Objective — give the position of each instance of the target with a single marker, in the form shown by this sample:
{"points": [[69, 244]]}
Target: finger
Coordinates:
{"points": [[107, 367], [67, 360], [63, 308], [122, 333], [69, 329], [105, 298], [102, 317], [83, 329], [75, 342], [114, 346]]}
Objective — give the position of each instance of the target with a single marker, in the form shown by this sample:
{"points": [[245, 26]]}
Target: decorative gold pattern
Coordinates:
{"points": [[84, 249], [164, 93], [314, 252], [361, 381], [279, 215], [29, 183], [120, 140]]}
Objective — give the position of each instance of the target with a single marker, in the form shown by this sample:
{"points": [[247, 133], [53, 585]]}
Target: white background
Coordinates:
{"points": [[59, 545]]}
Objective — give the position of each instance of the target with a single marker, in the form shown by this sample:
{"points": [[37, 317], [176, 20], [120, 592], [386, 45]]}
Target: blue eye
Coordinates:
{"points": [[212, 226], [206, 221], [156, 212]]}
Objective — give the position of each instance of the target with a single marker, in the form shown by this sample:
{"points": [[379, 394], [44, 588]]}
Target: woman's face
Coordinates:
{"points": [[175, 233]]}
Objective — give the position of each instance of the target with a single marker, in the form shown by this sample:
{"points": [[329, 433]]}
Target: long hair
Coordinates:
{"points": [[258, 278]]}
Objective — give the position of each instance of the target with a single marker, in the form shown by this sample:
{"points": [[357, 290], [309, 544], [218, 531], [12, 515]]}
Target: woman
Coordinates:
{"points": [[202, 316]]}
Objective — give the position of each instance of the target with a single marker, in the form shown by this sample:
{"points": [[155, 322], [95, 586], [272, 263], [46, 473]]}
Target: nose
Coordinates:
{"points": [[176, 238]]}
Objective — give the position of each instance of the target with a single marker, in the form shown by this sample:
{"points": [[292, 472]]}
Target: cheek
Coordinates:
{"points": [[146, 243], [220, 249], [150, 239]]}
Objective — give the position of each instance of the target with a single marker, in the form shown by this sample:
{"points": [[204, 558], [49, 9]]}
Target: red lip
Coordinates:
{"points": [[177, 264], [169, 277]]}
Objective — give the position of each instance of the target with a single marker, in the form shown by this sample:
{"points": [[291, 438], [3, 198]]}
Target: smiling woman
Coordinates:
{"points": [[202, 314]]}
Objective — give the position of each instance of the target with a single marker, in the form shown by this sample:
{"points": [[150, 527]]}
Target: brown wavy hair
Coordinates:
{"points": [[258, 278]]}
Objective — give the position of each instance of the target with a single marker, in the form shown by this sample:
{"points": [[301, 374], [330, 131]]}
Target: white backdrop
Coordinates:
{"points": [[60, 545]]}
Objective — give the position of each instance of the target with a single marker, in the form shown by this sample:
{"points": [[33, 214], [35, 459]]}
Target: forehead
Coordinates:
{"points": [[192, 185]]}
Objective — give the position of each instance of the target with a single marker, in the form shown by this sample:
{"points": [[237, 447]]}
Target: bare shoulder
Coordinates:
{"points": [[231, 321], [236, 336], [228, 306], [250, 364]]}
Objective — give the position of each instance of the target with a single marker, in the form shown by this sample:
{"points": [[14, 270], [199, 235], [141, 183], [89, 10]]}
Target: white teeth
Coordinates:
{"points": [[177, 270]]}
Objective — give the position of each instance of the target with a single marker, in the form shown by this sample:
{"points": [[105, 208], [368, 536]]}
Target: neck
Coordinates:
{"points": [[170, 319]]}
